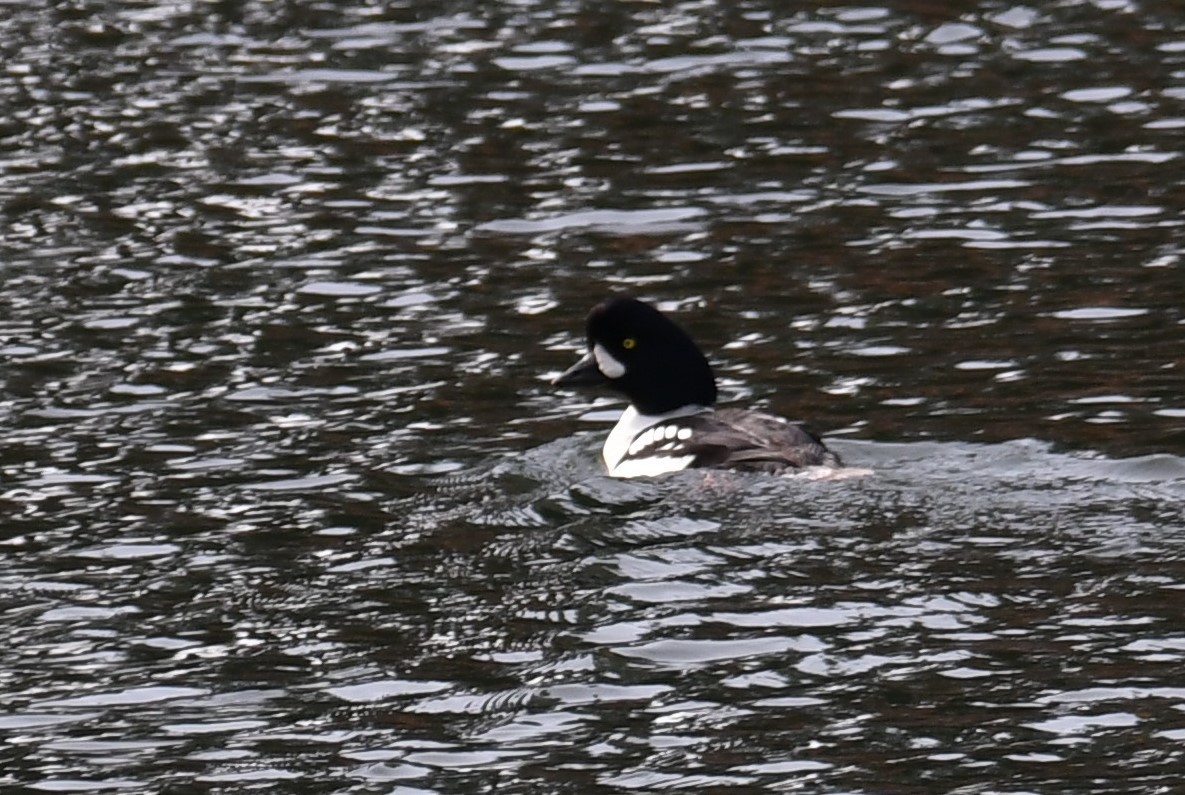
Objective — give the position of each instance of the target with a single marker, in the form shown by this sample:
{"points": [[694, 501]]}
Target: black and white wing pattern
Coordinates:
{"points": [[730, 439], [754, 441]]}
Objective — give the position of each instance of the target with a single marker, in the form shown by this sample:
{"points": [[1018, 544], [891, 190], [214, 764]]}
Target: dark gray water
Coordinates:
{"points": [[288, 504]]}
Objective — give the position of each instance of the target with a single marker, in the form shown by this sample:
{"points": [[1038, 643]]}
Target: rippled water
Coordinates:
{"points": [[287, 503]]}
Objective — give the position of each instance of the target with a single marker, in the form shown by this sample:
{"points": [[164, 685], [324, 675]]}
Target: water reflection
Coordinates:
{"points": [[289, 503]]}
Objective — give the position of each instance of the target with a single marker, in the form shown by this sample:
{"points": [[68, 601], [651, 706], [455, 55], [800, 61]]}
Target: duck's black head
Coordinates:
{"points": [[643, 354]]}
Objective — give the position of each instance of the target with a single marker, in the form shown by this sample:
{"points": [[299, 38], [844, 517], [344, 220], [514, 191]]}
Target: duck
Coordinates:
{"points": [[672, 423]]}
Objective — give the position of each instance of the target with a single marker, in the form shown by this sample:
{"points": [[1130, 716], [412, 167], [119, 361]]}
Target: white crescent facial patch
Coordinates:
{"points": [[607, 363]]}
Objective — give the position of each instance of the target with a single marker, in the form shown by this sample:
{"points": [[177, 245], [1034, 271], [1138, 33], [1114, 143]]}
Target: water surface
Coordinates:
{"points": [[288, 504]]}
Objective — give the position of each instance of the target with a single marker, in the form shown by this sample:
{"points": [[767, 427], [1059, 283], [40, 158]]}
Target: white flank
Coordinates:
{"points": [[650, 466], [607, 363], [632, 433]]}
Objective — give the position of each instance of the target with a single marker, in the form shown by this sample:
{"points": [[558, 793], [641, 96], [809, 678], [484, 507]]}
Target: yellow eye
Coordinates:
{"points": [[628, 343]]}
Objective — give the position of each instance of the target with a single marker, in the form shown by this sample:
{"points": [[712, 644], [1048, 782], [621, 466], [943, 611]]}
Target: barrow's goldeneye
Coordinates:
{"points": [[671, 423]]}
